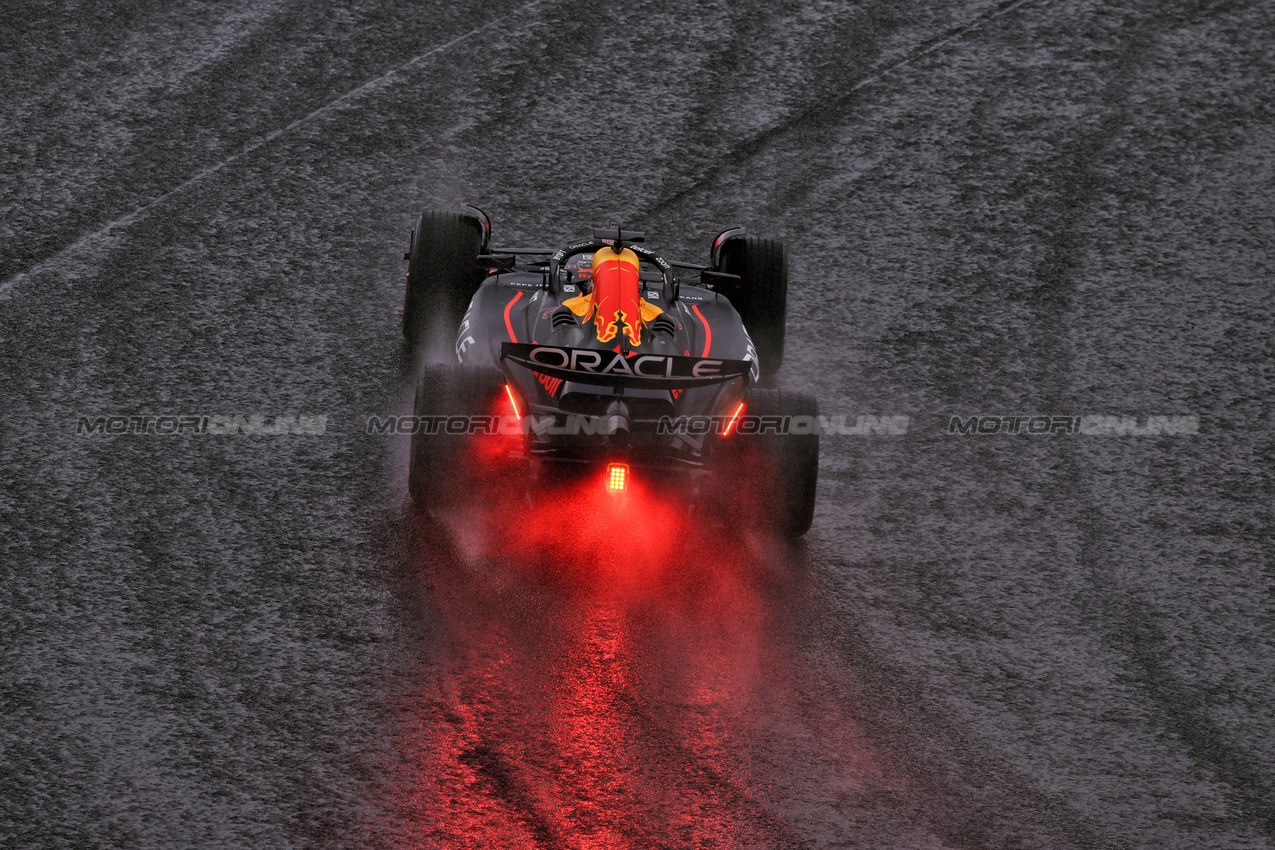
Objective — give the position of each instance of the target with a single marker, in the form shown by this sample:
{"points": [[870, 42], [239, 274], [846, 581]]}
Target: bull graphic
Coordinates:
{"points": [[615, 304]]}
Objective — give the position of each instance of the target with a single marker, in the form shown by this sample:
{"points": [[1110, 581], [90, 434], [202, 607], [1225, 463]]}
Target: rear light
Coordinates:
{"points": [[512, 401], [734, 417], [617, 477]]}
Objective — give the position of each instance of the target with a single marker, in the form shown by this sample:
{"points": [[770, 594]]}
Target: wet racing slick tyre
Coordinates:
{"points": [[768, 469], [451, 463], [442, 271], [761, 297]]}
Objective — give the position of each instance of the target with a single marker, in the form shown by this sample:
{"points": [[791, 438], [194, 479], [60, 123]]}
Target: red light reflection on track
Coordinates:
{"points": [[602, 671]]}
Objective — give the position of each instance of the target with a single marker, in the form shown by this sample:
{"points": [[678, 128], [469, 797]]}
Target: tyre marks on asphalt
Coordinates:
{"points": [[97, 110], [1037, 366], [830, 105], [962, 791], [103, 234], [558, 700], [1182, 710], [1084, 171]]}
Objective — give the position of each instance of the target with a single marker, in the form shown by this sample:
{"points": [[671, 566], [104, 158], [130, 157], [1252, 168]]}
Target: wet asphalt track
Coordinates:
{"points": [[1002, 641]]}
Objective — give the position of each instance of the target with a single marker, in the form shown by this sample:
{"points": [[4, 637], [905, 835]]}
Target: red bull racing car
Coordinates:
{"points": [[604, 364]]}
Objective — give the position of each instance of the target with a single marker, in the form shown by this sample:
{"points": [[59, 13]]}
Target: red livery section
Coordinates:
{"points": [[509, 328], [708, 330]]}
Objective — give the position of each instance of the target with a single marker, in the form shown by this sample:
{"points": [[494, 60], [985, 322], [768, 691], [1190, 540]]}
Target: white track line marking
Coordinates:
{"points": [[380, 82]]}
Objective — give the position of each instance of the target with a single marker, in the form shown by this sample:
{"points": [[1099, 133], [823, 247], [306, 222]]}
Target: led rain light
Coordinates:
{"points": [[617, 477]]}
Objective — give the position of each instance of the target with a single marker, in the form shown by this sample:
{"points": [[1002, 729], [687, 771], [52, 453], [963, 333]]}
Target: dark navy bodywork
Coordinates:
{"points": [[521, 302]]}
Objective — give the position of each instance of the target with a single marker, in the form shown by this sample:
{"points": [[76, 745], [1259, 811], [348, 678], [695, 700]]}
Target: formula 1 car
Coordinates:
{"points": [[602, 362]]}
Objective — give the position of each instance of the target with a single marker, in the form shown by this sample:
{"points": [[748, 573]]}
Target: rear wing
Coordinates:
{"points": [[608, 368], [506, 259]]}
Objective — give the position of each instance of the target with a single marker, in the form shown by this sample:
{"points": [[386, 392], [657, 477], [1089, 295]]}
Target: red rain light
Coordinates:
{"points": [[734, 416], [617, 477], [513, 401]]}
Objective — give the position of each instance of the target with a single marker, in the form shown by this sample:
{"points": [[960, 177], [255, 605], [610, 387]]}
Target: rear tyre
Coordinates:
{"points": [[442, 271], [768, 479], [762, 295], [450, 465]]}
